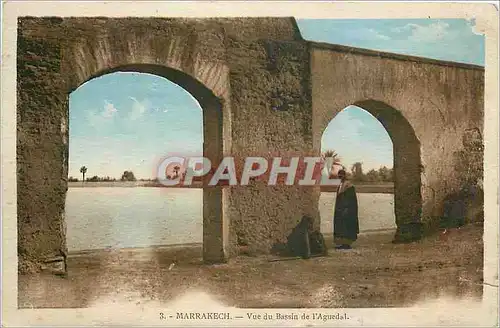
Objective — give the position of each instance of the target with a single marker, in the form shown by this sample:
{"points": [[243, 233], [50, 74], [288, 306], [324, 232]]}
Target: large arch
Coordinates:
{"points": [[174, 54], [406, 164], [213, 216], [424, 94], [65, 53]]}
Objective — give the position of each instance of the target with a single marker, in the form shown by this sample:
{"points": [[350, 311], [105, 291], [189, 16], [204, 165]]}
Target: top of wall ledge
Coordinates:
{"points": [[390, 55], [288, 31]]}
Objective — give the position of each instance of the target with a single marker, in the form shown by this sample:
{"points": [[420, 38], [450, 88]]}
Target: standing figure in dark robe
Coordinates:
{"points": [[345, 219]]}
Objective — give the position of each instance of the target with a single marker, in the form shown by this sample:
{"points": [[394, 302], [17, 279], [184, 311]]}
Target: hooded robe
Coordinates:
{"points": [[345, 219]]}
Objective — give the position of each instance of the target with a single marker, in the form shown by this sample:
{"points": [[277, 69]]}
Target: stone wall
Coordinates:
{"points": [[440, 101], [264, 92], [250, 76], [42, 153], [270, 80]]}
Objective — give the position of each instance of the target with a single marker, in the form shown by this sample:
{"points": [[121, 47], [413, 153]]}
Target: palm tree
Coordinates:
{"points": [[83, 170], [357, 171], [176, 170], [330, 153]]}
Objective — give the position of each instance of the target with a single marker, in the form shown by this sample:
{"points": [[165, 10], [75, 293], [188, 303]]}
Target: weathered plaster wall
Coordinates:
{"points": [[250, 76], [269, 81], [42, 152], [264, 92], [442, 102]]}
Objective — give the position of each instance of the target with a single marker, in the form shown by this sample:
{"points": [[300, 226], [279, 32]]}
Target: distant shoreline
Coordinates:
{"points": [[371, 188]]}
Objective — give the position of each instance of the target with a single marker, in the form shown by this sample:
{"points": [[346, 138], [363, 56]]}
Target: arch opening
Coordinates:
{"points": [[404, 179], [211, 134], [198, 90]]}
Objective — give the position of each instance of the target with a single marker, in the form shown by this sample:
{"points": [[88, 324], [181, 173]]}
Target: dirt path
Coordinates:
{"points": [[376, 273]]}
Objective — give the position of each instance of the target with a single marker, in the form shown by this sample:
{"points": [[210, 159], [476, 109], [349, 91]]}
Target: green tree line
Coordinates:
{"points": [[126, 176], [356, 174], [383, 174]]}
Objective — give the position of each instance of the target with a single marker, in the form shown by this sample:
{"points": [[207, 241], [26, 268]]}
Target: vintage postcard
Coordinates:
{"points": [[249, 164]]}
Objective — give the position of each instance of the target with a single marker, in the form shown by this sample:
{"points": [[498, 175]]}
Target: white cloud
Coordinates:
{"points": [[367, 34], [157, 109], [400, 29], [425, 33], [109, 109], [472, 24], [138, 108], [376, 35], [102, 116]]}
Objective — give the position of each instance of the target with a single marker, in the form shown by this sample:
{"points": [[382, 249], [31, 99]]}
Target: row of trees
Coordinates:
{"points": [[356, 173], [383, 174], [95, 178], [126, 176]]}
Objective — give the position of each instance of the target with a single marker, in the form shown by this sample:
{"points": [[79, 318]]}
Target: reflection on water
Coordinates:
{"points": [[132, 217], [139, 217]]}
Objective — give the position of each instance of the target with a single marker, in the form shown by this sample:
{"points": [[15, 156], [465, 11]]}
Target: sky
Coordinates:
{"points": [[129, 121]]}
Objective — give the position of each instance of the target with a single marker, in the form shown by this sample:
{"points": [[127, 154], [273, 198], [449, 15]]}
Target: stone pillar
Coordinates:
{"points": [[407, 191], [214, 250], [42, 117], [271, 116], [407, 170]]}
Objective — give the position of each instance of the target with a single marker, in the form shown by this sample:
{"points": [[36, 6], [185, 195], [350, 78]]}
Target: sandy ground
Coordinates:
{"points": [[376, 273]]}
